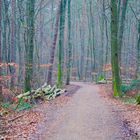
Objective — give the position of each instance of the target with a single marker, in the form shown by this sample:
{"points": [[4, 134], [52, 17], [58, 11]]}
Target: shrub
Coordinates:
{"points": [[135, 85], [138, 99], [101, 77], [23, 105], [6, 105], [20, 105], [125, 88]]}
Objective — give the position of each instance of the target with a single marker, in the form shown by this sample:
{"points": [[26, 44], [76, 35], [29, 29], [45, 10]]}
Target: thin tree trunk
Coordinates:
{"points": [[1, 97], [69, 44], [5, 7], [122, 25], [13, 44], [138, 53], [53, 48], [93, 56], [19, 39]]}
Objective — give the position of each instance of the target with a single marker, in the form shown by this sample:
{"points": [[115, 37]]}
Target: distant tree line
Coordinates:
{"points": [[58, 41]]}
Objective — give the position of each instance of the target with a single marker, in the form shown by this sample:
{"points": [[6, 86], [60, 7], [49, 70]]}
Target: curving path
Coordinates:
{"points": [[85, 117]]}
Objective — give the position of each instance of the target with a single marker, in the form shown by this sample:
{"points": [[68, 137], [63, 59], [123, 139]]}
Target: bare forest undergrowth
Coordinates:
{"points": [[38, 121], [19, 125], [129, 112]]}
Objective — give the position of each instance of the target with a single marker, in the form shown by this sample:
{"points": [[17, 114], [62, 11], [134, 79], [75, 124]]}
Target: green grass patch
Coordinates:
{"points": [[101, 80], [138, 99], [20, 106], [6, 105], [125, 88], [134, 85], [128, 100]]}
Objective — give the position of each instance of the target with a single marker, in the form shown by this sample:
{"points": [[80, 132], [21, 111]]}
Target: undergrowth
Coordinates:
{"points": [[19, 106], [134, 85]]}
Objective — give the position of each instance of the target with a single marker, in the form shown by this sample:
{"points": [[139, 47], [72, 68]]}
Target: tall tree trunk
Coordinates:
{"points": [[137, 72], [122, 25], [138, 53], [1, 97], [29, 44], [89, 41], [93, 56], [5, 7], [69, 44], [53, 48], [19, 39], [61, 43], [114, 50], [102, 39], [13, 44]]}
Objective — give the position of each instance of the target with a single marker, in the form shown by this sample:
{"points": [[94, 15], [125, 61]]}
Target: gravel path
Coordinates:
{"points": [[85, 117]]}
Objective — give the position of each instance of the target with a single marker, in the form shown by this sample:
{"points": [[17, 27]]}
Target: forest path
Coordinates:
{"points": [[85, 117]]}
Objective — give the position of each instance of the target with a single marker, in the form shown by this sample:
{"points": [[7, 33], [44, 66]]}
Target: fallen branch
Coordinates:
{"points": [[2, 132], [13, 119], [45, 92]]}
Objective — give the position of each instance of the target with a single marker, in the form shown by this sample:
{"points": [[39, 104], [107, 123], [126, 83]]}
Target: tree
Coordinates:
{"points": [[122, 25], [138, 46], [20, 22], [52, 53], [30, 32], [5, 21], [61, 43], [92, 39], [1, 97], [69, 44], [138, 53], [102, 38], [13, 43], [114, 50]]}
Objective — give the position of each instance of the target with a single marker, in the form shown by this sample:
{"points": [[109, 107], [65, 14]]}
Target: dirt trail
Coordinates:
{"points": [[85, 117]]}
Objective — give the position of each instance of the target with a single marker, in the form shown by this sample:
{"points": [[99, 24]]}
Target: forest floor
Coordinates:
{"points": [[85, 112], [128, 110]]}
